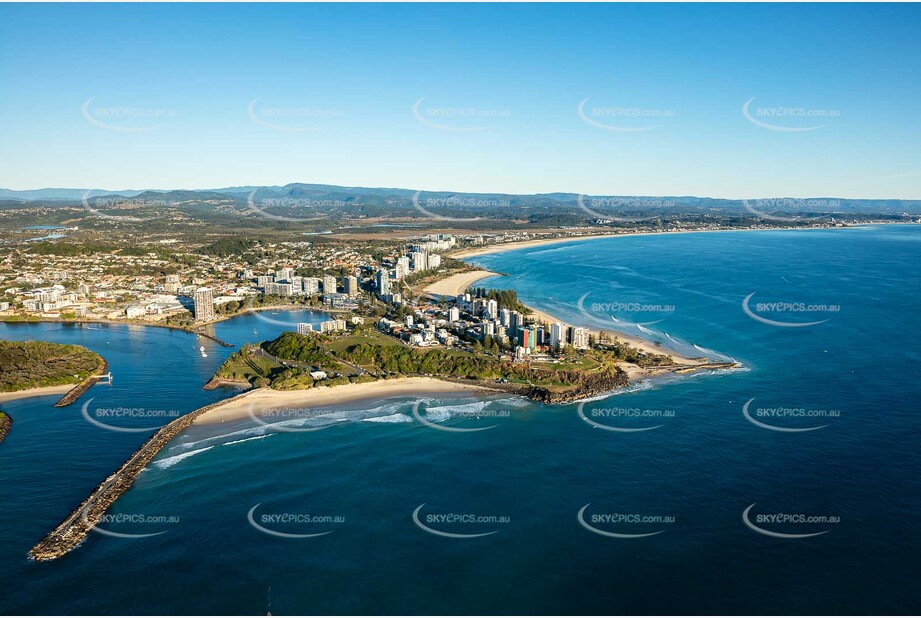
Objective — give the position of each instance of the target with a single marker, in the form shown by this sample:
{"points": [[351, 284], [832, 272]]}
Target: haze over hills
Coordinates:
{"points": [[334, 195]]}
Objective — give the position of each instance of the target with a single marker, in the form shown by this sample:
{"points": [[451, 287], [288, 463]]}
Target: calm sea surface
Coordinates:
{"points": [[560, 509]]}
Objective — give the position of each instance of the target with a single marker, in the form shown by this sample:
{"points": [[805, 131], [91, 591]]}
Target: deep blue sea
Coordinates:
{"points": [[708, 506]]}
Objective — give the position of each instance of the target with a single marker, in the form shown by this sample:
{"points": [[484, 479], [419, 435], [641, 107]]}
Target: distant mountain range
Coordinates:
{"points": [[382, 200]]}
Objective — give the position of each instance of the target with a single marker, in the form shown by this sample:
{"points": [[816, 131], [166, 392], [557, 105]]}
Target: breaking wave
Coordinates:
{"points": [[398, 417], [169, 462]]}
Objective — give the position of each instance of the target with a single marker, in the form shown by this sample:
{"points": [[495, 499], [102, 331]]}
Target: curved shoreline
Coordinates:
{"points": [[262, 399], [40, 391], [120, 323], [71, 532], [470, 252], [460, 282]]}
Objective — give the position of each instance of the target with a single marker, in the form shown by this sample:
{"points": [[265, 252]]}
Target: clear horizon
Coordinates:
{"points": [[715, 101]]}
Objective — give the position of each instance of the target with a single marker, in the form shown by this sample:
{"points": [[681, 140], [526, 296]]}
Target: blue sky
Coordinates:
{"points": [[466, 97]]}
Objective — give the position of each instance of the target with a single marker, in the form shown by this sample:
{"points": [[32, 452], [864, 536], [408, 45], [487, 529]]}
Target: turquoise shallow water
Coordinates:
{"points": [[361, 478]]}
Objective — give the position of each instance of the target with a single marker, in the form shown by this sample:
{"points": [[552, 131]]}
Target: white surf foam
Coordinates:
{"points": [[391, 418], [245, 440], [169, 462]]}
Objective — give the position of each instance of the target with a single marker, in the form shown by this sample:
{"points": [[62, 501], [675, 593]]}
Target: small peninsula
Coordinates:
{"points": [[39, 368]]}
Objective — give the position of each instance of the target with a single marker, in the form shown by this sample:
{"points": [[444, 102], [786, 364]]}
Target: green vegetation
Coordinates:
{"points": [[246, 366], [628, 354], [70, 248], [409, 361], [285, 363], [34, 364], [340, 345], [304, 349], [505, 298], [226, 247]]}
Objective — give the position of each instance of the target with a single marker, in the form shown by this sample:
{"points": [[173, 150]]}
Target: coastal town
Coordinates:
{"points": [[403, 285]]}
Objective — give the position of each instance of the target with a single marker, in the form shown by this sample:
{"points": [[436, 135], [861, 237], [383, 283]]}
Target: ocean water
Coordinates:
{"points": [[553, 509]]}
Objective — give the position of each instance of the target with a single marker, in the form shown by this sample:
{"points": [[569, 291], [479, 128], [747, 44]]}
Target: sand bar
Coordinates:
{"points": [[264, 399], [36, 392]]}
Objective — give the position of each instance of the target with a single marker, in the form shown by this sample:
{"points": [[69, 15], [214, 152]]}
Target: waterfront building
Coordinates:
{"points": [[203, 299], [304, 328], [453, 314], [330, 326], [580, 338], [279, 289], [515, 322], [329, 284], [310, 285], [284, 274], [558, 335], [340, 301], [528, 339], [492, 309]]}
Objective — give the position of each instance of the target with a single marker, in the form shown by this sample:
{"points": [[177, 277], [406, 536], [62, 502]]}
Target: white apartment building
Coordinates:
{"points": [[310, 285], [580, 338]]}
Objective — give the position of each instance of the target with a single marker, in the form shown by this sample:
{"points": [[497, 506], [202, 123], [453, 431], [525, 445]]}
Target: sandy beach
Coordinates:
{"points": [[537, 242], [266, 399], [640, 344], [524, 244], [457, 284], [36, 392]]}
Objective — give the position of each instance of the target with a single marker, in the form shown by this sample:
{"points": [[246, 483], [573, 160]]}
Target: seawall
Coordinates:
{"points": [[72, 531]]}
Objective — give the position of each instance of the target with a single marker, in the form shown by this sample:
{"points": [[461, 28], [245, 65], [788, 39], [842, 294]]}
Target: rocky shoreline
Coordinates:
{"points": [[216, 382], [6, 424], [77, 391], [73, 530]]}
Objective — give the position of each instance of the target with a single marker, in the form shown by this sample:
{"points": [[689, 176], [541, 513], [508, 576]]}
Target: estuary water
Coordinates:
{"points": [[789, 486]]}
